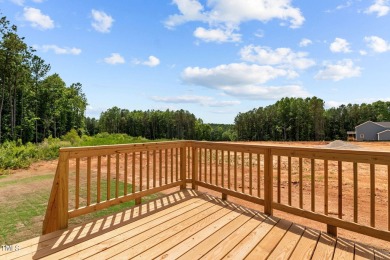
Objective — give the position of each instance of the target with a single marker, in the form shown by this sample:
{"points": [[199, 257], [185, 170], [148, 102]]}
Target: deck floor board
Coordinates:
{"points": [[191, 225]]}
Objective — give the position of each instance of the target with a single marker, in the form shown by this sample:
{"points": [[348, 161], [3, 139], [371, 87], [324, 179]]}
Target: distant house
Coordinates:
{"points": [[371, 131]]}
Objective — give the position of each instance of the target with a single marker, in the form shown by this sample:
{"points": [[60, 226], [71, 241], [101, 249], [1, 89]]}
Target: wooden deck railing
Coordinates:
{"points": [[341, 188]]}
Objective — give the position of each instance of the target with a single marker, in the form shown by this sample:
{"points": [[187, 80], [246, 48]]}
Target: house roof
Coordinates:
{"points": [[388, 130], [382, 124]]}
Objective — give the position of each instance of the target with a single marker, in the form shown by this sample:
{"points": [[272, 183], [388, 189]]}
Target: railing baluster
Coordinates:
{"points": [[166, 165], [88, 181], [200, 164], [289, 181], [205, 165], [258, 175], [223, 168], [147, 169], [154, 168], [99, 172], [388, 197], [313, 187], [133, 173], [235, 170], [216, 167], [211, 166], [117, 176], [140, 170], [250, 173], [108, 195], [372, 200], [194, 176], [300, 183], [177, 164], [160, 168], [126, 173], [171, 164], [279, 180], [340, 189], [243, 172], [326, 189], [228, 169], [77, 183], [355, 192]]}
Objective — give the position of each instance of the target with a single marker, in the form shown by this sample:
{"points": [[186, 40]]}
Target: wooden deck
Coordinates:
{"points": [[191, 225]]}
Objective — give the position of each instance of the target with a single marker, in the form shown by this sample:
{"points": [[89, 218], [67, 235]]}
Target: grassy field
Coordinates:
{"points": [[24, 197]]}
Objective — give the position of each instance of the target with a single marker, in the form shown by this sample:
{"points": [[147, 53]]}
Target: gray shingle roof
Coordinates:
{"points": [[384, 124]]}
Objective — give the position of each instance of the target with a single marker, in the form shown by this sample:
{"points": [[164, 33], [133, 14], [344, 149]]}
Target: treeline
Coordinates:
{"points": [[156, 124], [33, 105], [297, 119]]}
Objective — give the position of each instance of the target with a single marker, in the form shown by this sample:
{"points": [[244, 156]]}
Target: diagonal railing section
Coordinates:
{"points": [[341, 188]]}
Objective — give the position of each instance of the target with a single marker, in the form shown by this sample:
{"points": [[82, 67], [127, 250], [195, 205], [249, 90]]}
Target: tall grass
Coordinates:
{"points": [[15, 155]]}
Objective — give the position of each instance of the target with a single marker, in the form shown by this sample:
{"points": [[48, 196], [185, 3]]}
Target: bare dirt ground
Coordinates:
{"points": [[44, 168]]}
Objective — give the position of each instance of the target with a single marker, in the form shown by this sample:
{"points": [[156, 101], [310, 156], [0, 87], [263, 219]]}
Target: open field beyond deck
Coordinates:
{"points": [[191, 225]]}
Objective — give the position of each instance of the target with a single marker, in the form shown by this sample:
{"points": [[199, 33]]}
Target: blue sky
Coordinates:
{"points": [[214, 58]]}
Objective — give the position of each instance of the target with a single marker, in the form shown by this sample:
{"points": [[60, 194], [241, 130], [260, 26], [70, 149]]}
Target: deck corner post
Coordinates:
{"points": [[268, 182], [56, 216], [183, 166], [194, 168], [224, 196]]}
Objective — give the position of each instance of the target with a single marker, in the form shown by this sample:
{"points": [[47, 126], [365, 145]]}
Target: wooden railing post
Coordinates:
{"points": [[194, 168], [56, 216], [268, 182], [183, 157]]}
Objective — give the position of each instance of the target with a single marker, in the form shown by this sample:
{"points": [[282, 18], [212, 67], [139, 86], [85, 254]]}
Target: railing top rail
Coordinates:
{"points": [[77, 152], [276, 147]]}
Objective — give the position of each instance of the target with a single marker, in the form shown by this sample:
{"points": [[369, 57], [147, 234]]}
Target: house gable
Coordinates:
{"points": [[368, 131]]}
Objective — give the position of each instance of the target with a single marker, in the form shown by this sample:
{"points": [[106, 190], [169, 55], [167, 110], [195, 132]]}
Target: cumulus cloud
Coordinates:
{"points": [[152, 61], [115, 58], [37, 19], [102, 22], [58, 50], [216, 35], [305, 42], [202, 100], [341, 70], [340, 45], [282, 57], [243, 80], [237, 74], [377, 44], [225, 17], [380, 7]]}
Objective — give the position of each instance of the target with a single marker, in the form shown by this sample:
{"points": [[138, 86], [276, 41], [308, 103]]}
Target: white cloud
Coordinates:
{"points": [[38, 1], [37, 18], [305, 42], [102, 22], [216, 35], [341, 70], [363, 52], [152, 61], [380, 7], [266, 92], [226, 16], [340, 45], [115, 58], [18, 2], [243, 80], [237, 74], [58, 50], [283, 57], [202, 100], [377, 44], [334, 104]]}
